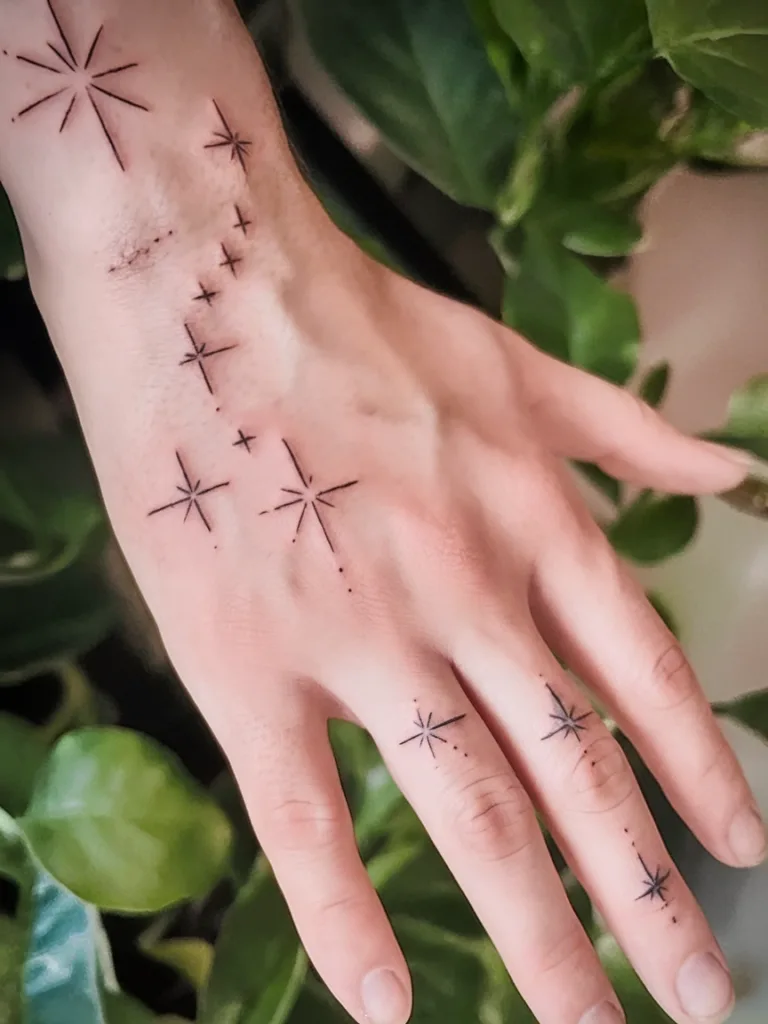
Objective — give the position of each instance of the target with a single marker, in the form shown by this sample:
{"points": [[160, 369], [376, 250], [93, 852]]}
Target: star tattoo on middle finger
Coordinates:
{"points": [[568, 723]]}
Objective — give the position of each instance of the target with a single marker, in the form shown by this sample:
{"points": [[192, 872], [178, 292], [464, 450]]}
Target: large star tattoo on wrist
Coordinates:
{"points": [[78, 80]]}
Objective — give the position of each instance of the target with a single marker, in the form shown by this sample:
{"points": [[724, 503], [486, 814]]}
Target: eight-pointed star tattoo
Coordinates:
{"points": [[77, 79], [308, 499], [199, 354], [191, 495], [428, 732], [568, 722], [232, 140], [655, 883]]}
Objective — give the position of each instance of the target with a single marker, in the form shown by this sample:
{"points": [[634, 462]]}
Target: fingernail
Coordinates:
{"points": [[748, 837], [605, 1013], [385, 1001], [704, 988]]}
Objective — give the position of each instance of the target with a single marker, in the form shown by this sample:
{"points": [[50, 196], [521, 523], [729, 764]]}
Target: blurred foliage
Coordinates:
{"points": [[556, 116]]}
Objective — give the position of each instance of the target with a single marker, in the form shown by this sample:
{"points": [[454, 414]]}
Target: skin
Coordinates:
{"points": [[468, 556]]}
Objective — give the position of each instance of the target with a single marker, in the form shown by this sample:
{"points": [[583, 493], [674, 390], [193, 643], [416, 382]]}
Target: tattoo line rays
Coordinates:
{"points": [[655, 883], [237, 146], [199, 354], [428, 732], [308, 499], [191, 495], [568, 722], [79, 82]]}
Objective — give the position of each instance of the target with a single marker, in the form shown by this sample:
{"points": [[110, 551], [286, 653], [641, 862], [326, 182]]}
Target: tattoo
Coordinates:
{"points": [[205, 295], [241, 222], [308, 499], [568, 722], [237, 146], [244, 441], [427, 732], [139, 256], [229, 261], [199, 354], [192, 493], [79, 81], [655, 883]]}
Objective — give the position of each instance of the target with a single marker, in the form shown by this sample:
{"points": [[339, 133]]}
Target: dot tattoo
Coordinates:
{"points": [[244, 441], [242, 224], [191, 495], [429, 733], [199, 354], [229, 260], [79, 82], [655, 883], [229, 139], [205, 295], [308, 499], [567, 722]]}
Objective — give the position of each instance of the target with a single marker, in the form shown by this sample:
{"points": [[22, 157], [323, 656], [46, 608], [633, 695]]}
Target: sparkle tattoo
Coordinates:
{"points": [[75, 80], [308, 499], [242, 223], [205, 295], [226, 138], [567, 723], [229, 261], [199, 354], [429, 732], [655, 883], [192, 495], [244, 441]]}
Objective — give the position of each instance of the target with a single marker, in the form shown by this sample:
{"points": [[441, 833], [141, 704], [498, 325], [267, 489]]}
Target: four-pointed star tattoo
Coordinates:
{"points": [[191, 495], [308, 499], [76, 79], [238, 147], [655, 883], [199, 354], [568, 722], [428, 733]]}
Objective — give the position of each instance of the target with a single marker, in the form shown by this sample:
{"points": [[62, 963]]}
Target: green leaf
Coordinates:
{"points": [[371, 792], [503, 55], [13, 942], [721, 47], [116, 819], [654, 385], [22, 752], [748, 409], [502, 1003], [120, 1008], [52, 621], [565, 309], [602, 231], [420, 73], [191, 958], [638, 1004], [750, 710], [259, 966], [606, 484], [11, 253], [316, 1005], [665, 613], [576, 42], [655, 527]]}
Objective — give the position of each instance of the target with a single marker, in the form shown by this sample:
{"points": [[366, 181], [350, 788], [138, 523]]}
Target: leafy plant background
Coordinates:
{"points": [[556, 117]]}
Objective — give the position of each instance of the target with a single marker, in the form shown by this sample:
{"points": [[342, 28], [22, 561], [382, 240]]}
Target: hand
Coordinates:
{"points": [[394, 541]]}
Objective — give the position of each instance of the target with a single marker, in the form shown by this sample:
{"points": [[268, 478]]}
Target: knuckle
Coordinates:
{"points": [[304, 825], [671, 682], [602, 779], [492, 817]]}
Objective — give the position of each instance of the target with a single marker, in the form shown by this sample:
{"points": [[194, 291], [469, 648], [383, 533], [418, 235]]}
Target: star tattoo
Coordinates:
{"points": [[568, 722], [237, 146], [244, 441], [242, 224], [206, 295], [656, 883], [199, 354], [229, 260], [191, 495], [75, 80], [429, 733], [308, 499]]}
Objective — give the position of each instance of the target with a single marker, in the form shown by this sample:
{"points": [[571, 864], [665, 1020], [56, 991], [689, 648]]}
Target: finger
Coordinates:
{"points": [[582, 417], [582, 781], [596, 616], [457, 779], [290, 784]]}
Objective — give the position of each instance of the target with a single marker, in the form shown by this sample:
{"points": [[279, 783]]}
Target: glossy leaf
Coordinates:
{"points": [[22, 752], [192, 959], [602, 231], [420, 73], [259, 966], [751, 710], [653, 386], [115, 818], [502, 53], [655, 527], [576, 42], [721, 47]]}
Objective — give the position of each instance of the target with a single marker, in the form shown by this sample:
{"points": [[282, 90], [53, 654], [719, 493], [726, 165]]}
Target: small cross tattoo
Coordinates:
{"points": [[199, 354], [567, 722], [205, 295], [244, 441], [229, 261], [428, 733], [655, 883], [191, 495], [242, 223]]}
